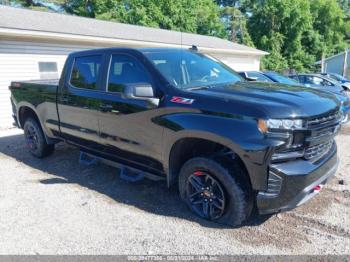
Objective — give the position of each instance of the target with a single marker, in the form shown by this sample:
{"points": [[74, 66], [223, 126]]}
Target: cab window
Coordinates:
{"points": [[86, 71], [125, 70]]}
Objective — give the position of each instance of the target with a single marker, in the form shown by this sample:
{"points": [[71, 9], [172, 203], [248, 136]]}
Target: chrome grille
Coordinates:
{"points": [[317, 151], [325, 120]]}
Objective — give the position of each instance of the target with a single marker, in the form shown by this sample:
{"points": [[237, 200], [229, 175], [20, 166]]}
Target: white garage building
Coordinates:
{"points": [[35, 44]]}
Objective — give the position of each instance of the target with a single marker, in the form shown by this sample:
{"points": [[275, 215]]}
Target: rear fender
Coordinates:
{"points": [[49, 137]]}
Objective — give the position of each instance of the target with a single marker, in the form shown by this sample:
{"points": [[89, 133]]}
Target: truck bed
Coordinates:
{"points": [[40, 94], [46, 82]]}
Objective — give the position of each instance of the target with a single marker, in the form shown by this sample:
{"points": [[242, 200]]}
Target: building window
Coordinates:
{"points": [[48, 70]]}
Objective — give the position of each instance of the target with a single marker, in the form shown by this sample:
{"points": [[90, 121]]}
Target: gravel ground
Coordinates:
{"points": [[56, 206]]}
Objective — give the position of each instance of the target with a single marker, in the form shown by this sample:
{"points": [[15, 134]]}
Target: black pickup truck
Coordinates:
{"points": [[229, 145]]}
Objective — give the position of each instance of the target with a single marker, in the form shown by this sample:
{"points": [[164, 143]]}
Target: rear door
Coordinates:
{"points": [[78, 100], [128, 130]]}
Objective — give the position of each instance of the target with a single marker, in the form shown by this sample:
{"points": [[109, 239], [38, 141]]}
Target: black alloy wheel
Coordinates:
{"points": [[35, 139], [31, 137], [206, 195], [210, 189]]}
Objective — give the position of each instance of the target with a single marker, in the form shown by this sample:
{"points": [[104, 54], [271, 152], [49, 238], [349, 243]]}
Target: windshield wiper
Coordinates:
{"points": [[198, 88]]}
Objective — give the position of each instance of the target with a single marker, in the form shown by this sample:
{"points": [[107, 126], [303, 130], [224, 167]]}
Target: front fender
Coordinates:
{"points": [[240, 134]]}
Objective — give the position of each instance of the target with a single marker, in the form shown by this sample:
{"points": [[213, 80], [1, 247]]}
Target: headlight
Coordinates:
{"points": [[280, 124]]}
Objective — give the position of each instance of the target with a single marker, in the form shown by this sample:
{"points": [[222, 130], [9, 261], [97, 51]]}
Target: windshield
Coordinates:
{"points": [[281, 79], [186, 69]]}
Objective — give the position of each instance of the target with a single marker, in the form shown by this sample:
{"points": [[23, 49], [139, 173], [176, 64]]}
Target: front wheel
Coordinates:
{"points": [[212, 192], [35, 139]]}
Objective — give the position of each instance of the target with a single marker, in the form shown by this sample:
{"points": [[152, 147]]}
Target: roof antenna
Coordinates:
{"points": [[194, 48]]}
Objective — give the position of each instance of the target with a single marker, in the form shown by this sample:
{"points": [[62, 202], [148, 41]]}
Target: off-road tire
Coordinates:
{"points": [[237, 195], [35, 139]]}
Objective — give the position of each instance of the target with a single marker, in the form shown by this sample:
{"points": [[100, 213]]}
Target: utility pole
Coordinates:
{"points": [[322, 64], [235, 26], [345, 64]]}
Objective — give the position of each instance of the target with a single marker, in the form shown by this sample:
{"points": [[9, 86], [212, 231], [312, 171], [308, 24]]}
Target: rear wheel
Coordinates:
{"points": [[211, 192], [35, 139]]}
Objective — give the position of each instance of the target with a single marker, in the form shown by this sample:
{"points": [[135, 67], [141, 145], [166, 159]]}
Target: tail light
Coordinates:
{"points": [[15, 85]]}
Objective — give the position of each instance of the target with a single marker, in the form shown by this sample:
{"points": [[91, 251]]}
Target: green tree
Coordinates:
{"points": [[52, 5], [330, 27], [234, 17], [275, 60], [279, 26], [228, 3], [196, 16], [297, 32], [345, 5], [236, 25]]}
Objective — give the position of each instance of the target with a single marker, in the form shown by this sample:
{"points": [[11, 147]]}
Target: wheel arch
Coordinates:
{"points": [[187, 146], [25, 111]]}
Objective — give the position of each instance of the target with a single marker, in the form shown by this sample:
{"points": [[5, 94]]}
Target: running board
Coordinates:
{"points": [[131, 176], [127, 173]]}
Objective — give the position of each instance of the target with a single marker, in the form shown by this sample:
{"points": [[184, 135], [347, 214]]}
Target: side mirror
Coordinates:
{"points": [[346, 87], [140, 91], [251, 79]]}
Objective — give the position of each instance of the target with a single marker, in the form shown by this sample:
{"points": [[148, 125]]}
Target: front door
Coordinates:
{"points": [[127, 131]]}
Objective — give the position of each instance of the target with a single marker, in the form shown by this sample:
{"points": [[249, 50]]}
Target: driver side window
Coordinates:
{"points": [[326, 83], [125, 70]]}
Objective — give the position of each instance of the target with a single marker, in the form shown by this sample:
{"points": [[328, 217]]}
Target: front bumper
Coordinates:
{"points": [[297, 182]]}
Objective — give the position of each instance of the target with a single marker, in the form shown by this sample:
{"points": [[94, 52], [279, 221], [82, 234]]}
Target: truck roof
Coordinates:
{"points": [[126, 49]]}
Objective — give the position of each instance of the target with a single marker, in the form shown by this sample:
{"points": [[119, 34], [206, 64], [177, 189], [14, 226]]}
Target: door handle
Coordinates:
{"points": [[64, 99], [106, 107]]}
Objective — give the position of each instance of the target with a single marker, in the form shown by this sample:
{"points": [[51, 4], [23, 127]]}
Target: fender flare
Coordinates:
{"points": [[172, 141], [23, 104]]}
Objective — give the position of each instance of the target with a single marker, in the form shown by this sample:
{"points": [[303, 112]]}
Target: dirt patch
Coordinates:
{"points": [[280, 231], [345, 129], [320, 203]]}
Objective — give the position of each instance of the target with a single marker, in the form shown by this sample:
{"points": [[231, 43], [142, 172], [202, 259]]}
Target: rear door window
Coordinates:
{"points": [[86, 71]]}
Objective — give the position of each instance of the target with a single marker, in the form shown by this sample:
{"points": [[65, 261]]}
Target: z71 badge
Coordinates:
{"points": [[181, 100]]}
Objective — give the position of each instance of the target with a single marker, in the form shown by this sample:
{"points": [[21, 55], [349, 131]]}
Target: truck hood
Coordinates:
{"points": [[272, 100]]}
